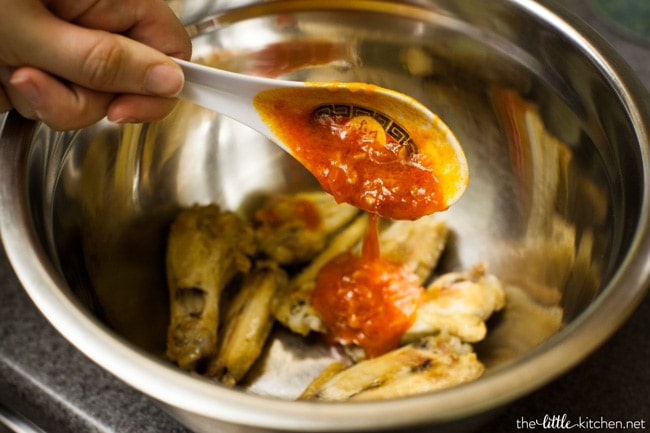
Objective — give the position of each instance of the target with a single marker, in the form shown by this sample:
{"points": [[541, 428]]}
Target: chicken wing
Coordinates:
{"points": [[458, 303], [430, 364], [247, 324], [295, 228], [206, 248]]}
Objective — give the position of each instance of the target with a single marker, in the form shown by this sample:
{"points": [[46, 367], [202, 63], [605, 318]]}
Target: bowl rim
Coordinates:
{"points": [[179, 390]]}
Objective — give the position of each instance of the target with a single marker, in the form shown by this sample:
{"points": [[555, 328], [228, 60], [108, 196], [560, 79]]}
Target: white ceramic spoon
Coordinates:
{"points": [[263, 104], [230, 94]]}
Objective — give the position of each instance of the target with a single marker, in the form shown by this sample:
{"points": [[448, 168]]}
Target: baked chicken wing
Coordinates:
{"points": [[458, 303], [429, 364], [295, 228], [417, 244], [206, 248], [246, 324]]}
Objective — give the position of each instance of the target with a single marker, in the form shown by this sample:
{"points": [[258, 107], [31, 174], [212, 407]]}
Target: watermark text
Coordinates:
{"points": [[563, 422]]}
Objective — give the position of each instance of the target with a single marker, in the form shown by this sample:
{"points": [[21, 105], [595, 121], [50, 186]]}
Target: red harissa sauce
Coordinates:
{"points": [[395, 167], [366, 159]]}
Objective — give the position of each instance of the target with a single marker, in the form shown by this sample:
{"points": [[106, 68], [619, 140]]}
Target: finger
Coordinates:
{"points": [[113, 63], [95, 59], [38, 95], [136, 108], [151, 22], [14, 95]]}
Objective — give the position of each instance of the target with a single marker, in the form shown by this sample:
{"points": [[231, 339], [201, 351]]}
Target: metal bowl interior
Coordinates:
{"points": [[556, 134]]}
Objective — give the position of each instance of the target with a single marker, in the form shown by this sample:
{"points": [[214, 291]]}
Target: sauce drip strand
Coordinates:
{"points": [[366, 300], [400, 167]]}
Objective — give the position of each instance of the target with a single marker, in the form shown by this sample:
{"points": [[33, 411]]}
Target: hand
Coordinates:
{"points": [[69, 63]]}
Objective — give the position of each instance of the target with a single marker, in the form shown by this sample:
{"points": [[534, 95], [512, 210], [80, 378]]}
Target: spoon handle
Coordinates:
{"points": [[229, 93]]}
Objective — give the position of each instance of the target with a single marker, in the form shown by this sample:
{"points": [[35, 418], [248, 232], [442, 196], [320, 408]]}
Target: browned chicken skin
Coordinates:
{"points": [[429, 364], [294, 228], [246, 324], [206, 249]]}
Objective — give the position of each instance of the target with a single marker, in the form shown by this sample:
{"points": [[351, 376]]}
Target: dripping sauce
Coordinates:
{"points": [[361, 157], [365, 299]]}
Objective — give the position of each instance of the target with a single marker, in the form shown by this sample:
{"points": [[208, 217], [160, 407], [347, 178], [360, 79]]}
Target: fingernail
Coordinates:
{"points": [[31, 97], [124, 120], [27, 90], [164, 80]]}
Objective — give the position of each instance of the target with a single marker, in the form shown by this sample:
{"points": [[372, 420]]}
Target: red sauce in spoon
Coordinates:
{"points": [[400, 168]]}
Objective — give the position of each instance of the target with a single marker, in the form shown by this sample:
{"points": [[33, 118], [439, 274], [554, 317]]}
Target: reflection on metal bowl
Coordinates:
{"points": [[555, 132]]}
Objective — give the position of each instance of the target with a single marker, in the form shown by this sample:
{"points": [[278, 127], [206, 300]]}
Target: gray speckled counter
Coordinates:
{"points": [[56, 388]]}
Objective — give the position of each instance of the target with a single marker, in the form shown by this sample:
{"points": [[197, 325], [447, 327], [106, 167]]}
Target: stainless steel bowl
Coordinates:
{"points": [[557, 204]]}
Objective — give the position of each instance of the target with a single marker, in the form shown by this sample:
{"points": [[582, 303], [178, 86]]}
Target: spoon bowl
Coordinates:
{"points": [[307, 118]]}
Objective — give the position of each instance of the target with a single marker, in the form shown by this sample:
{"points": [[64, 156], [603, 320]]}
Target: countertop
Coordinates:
{"points": [[56, 388]]}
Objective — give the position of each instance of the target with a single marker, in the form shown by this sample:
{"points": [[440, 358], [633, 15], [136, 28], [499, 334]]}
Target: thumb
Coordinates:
{"points": [[105, 61]]}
